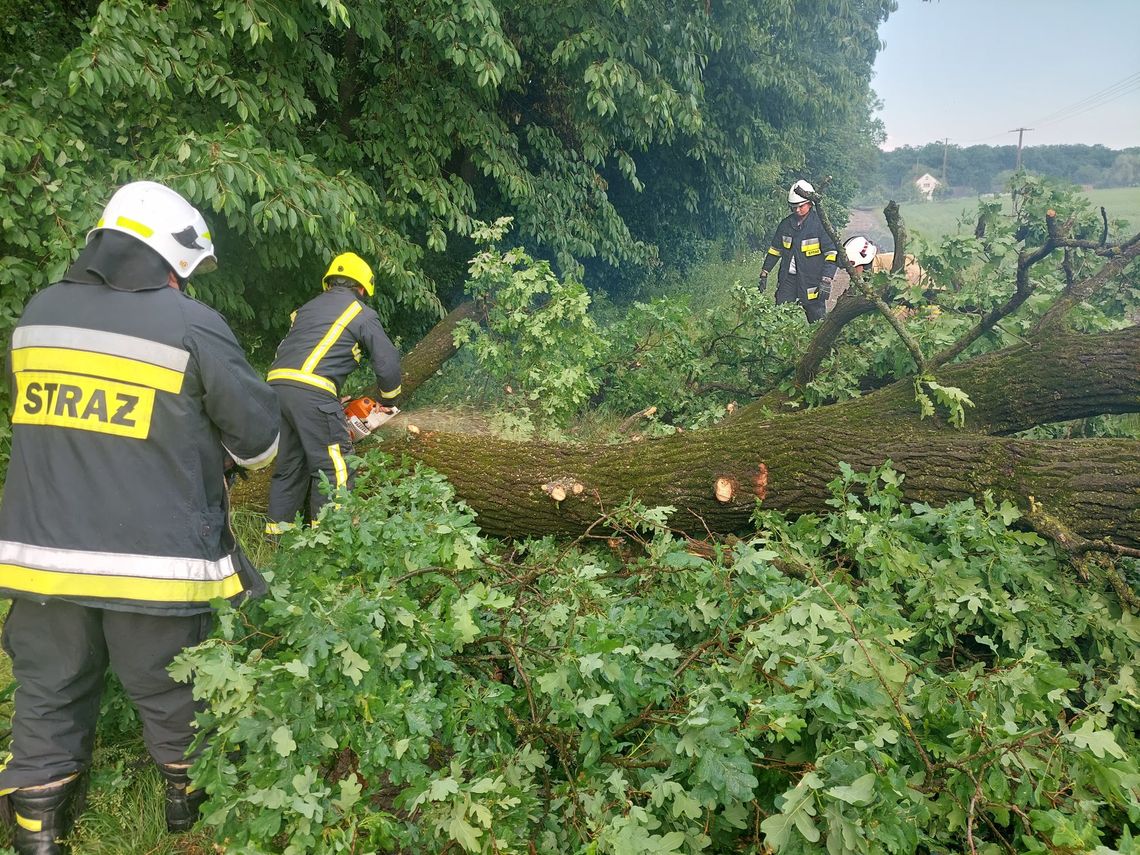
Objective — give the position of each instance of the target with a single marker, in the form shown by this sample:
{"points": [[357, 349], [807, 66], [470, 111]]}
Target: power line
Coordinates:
{"points": [[1108, 93], [1125, 86], [1097, 105], [1020, 133]]}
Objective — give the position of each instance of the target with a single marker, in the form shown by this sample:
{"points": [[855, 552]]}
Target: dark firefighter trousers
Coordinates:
{"points": [[60, 653], [314, 440], [792, 289]]}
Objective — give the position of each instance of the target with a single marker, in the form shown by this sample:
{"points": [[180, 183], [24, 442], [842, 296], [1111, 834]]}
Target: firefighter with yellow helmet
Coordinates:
{"points": [[329, 337], [130, 399]]}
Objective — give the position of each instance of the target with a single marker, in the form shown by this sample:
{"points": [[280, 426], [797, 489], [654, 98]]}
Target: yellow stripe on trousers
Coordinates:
{"points": [[338, 465]]}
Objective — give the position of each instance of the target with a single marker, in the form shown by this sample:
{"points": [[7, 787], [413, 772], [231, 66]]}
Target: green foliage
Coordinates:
{"points": [[931, 395], [339, 678], [608, 131], [553, 350], [537, 340], [691, 363], [884, 677], [966, 276], [308, 128]]}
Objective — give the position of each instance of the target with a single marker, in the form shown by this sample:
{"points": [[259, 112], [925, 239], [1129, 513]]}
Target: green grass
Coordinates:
{"points": [[935, 220]]}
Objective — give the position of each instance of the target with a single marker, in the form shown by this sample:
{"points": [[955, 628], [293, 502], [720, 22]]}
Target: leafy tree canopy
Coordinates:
{"points": [[304, 128]]}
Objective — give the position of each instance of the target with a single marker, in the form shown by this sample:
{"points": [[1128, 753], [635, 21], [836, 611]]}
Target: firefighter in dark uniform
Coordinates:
{"points": [[806, 254], [130, 400], [329, 337]]}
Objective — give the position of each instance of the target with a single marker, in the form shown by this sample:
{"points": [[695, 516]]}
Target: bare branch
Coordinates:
{"points": [[868, 292], [1118, 258], [1025, 260]]}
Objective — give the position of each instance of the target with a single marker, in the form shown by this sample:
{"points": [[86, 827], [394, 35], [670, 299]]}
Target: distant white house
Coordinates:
{"points": [[926, 184]]}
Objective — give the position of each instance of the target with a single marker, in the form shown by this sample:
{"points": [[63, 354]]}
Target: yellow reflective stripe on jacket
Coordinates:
{"points": [[830, 256], [124, 564], [301, 377], [314, 358], [65, 584], [120, 368], [338, 464], [773, 251]]}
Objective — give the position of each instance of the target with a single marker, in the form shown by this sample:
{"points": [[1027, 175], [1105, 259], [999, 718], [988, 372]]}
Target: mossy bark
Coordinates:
{"points": [[425, 359], [1092, 486]]}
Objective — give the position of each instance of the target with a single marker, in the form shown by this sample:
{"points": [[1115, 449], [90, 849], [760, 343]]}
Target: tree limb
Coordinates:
{"points": [[1022, 291], [868, 292], [850, 305], [1118, 258]]}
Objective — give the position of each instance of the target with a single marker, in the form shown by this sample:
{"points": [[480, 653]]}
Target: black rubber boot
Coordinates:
{"points": [[182, 801], [43, 817]]}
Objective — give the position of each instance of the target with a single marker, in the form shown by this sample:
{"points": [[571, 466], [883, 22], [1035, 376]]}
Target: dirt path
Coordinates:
{"points": [[870, 223]]}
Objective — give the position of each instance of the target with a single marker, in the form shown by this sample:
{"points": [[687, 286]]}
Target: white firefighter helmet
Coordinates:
{"points": [[794, 197], [164, 221], [859, 250]]}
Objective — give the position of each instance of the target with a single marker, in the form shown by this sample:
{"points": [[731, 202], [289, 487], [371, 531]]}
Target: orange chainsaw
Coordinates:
{"points": [[364, 415]]}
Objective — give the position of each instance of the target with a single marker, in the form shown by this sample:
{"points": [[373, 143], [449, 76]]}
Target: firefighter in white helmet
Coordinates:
{"points": [[860, 252], [129, 401], [329, 337], [807, 256]]}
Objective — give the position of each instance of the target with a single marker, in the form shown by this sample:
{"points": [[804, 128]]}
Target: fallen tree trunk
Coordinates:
{"points": [[420, 364], [1091, 486], [1063, 377]]}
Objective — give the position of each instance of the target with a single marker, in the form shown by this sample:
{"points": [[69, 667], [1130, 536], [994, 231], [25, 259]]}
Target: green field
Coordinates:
{"points": [[935, 220]]}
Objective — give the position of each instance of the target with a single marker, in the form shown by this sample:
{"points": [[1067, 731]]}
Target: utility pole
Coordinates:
{"points": [[945, 149], [1020, 133]]}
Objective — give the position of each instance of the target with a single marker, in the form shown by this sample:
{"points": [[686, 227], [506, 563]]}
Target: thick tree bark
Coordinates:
{"points": [[1067, 376], [434, 349], [1091, 486]]}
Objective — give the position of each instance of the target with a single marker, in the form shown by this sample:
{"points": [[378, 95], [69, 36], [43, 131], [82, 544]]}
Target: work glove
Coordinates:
{"points": [[763, 283], [825, 287]]}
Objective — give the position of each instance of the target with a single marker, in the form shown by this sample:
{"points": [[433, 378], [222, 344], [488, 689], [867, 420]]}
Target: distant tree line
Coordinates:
{"points": [[984, 168]]}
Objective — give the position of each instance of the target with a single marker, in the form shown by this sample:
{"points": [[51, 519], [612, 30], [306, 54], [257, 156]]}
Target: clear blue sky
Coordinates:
{"points": [[971, 70]]}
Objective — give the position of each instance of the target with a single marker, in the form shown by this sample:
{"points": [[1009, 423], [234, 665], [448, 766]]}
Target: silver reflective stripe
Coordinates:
{"points": [[97, 341], [263, 459], [81, 562]]}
